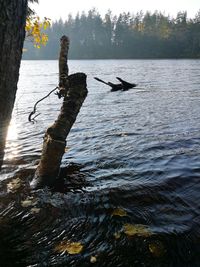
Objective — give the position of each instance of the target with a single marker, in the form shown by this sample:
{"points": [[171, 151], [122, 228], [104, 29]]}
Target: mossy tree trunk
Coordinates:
{"points": [[12, 34], [74, 90]]}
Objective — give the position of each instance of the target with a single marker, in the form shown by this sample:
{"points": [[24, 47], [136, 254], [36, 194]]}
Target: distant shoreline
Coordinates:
{"points": [[27, 59]]}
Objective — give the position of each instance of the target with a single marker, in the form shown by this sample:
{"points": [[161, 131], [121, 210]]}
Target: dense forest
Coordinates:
{"points": [[142, 35]]}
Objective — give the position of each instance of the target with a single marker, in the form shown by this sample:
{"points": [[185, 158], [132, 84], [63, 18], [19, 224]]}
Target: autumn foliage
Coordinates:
{"points": [[35, 28]]}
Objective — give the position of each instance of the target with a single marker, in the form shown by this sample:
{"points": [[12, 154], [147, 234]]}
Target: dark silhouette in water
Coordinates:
{"points": [[115, 87], [124, 86]]}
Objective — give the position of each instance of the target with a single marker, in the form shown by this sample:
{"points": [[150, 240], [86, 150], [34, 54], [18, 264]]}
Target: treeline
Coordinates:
{"points": [[149, 35]]}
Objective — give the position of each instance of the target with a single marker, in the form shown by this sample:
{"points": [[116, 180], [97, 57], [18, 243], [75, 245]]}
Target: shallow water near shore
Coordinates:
{"points": [[134, 152]]}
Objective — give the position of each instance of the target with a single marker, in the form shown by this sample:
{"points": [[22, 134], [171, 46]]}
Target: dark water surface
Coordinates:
{"points": [[136, 151]]}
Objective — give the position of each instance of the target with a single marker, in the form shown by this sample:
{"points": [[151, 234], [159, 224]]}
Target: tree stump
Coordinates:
{"points": [[74, 90]]}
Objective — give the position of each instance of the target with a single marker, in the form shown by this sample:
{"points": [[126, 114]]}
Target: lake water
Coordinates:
{"points": [[137, 151]]}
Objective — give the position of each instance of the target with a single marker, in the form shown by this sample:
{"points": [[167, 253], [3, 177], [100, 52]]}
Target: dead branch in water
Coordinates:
{"points": [[74, 91]]}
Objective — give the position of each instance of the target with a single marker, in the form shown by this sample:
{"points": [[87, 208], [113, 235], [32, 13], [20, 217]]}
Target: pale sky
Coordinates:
{"points": [[56, 9]]}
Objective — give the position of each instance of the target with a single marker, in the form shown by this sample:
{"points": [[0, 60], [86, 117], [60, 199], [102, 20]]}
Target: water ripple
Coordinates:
{"points": [[137, 151]]}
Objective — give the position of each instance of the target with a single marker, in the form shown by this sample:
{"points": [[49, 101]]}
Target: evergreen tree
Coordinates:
{"points": [[149, 35]]}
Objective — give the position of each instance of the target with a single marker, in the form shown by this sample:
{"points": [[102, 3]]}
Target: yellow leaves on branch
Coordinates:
{"points": [[34, 29]]}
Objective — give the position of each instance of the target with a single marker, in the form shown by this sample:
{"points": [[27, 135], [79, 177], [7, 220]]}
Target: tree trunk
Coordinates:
{"points": [[74, 90], [12, 34]]}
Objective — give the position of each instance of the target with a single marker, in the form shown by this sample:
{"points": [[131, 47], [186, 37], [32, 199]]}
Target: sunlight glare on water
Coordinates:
{"points": [[12, 131], [12, 137]]}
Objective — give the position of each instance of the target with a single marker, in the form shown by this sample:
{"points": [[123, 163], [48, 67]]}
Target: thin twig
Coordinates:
{"points": [[34, 108]]}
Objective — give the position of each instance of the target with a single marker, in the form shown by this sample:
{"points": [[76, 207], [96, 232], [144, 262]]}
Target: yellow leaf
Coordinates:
{"points": [[117, 235], [34, 28], [28, 27], [29, 201], [137, 229], [14, 185], [35, 210], [93, 259], [69, 247], [26, 203], [157, 248], [37, 46], [37, 39], [119, 212], [45, 24], [66, 149]]}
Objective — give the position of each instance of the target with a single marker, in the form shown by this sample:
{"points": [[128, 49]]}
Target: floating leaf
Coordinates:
{"points": [[26, 203], [66, 149], [93, 259], [119, 212], [14, 185], [137, 229], [29, 201], [157, 249], [70, 247], [35, 210], [117, 235]]}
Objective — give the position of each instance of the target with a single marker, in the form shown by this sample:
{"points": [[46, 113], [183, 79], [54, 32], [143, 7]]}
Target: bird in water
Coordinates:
{"points": [[123, 85]]}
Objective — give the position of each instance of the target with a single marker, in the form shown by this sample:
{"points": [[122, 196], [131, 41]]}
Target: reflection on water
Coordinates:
{"points": [[136, 152]]}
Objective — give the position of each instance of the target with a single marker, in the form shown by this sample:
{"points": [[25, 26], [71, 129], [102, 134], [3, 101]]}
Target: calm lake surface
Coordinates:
{"points": [[137, 151]]}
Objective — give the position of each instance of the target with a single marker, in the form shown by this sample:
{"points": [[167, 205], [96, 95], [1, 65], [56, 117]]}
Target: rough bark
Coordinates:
{"points": [[12, 34], [74, 89]]}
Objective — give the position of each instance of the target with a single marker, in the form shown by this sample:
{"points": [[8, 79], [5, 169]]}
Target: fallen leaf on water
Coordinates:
{"points": [[157, 248], [119, 212], [66, 149], [29, 201], [117, 235], [35, 210], [14, 185], [93, 259], [70, 247], [137, 229], [26, 203]]}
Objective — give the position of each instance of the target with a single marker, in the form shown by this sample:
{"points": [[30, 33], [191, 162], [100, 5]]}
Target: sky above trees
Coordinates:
{"points": [[61, 8]]}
